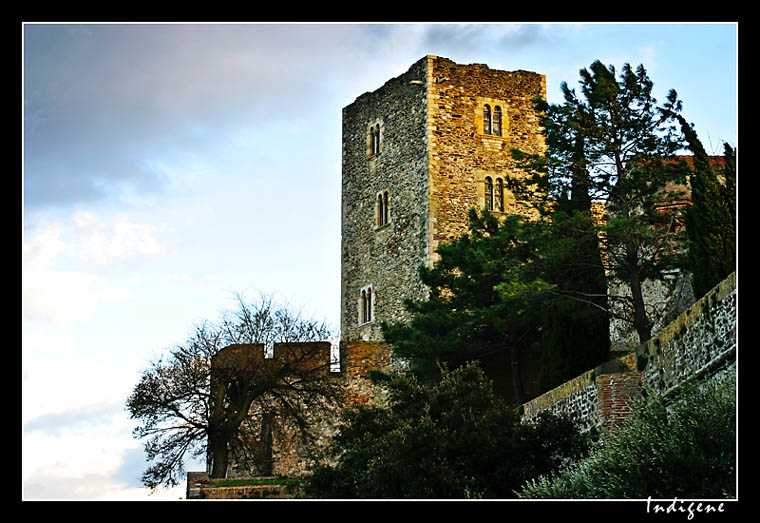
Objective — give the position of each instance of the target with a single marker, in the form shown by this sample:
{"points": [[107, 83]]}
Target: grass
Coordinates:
{"points": [[247, 482]]}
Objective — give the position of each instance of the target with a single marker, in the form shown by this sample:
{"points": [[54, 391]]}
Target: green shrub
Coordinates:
{"points": [[685, 449], [454, 439]]}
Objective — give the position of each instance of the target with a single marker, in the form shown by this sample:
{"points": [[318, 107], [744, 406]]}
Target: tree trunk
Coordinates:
{"points": [[265, 463], [220, 455], [640, 320], [517, 386]]}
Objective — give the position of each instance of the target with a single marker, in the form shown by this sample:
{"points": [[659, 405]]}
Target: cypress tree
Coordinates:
{"points": [[710, 221]]}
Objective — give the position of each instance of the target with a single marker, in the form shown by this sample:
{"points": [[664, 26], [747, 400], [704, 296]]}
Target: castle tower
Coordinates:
{"points": [[418, 153]]}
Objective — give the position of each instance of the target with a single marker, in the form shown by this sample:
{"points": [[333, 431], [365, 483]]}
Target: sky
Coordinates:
{"points": [[169, 167]]}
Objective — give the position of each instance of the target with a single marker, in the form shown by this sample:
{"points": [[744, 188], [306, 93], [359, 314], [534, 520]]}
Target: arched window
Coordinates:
{"points": [[489, 193], [496, 121], [365, 305], [386, 210], [374, 133], [499, 195], [382, 209], [493, 119]]}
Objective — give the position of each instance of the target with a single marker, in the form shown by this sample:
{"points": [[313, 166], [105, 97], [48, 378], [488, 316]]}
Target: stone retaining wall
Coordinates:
{"points": [[701, 340]]}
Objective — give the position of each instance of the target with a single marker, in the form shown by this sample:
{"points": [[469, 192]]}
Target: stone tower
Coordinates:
{"points": [[418, 153]]}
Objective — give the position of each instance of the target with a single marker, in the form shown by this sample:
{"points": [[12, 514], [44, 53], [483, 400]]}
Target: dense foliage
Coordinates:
{"points": [[684, 449], [482, 299], [711, 219], [509, 284], [574, 320], [454, 439], [612, 143]]}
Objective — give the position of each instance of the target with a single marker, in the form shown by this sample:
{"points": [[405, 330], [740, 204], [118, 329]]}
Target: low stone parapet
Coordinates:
{"points": [[199, 486]]}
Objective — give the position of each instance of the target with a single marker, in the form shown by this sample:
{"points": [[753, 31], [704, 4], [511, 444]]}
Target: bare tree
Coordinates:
{"points": [[183, 411]]}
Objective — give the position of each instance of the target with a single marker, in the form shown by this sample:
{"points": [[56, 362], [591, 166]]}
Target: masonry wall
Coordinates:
{"points": [[699, 342], [461, 153], [386, 257], [701, 338], [432, 159], [289, 454]]}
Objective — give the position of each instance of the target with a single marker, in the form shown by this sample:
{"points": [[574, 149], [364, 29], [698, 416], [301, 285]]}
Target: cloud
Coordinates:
{"points": [[109, 109], [73, 419], [119, 241], [105, 104], [86, 453], [50, 294], [60, 282], [114, 481]]}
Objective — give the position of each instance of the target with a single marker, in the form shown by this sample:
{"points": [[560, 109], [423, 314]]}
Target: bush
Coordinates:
{"points": [[455, 439], [684, 449]]}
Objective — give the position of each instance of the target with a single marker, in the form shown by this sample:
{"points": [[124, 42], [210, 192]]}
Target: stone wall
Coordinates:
{"points": [[289, 454], [462, 154], [357, 359], [700, 341], [385, 257], [701, 338], [199, 486]]}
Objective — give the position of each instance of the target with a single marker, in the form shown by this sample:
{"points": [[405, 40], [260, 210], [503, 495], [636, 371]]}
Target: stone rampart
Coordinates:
{"points": [[700, 341], [701, 338], [288, 452]]}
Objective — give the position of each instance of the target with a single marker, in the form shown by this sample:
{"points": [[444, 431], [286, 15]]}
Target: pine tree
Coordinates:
{"points": [[614, 145], [483, 300], [575, 325], [710, 221]]}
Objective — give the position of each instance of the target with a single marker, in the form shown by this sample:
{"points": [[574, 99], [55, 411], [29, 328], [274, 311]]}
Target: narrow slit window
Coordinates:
{"points": [[368, 309], [386, 211], [375, 139], [497, 121], [382, 209], [487, 119], [489, 193], [499, 195], [365, 305]]}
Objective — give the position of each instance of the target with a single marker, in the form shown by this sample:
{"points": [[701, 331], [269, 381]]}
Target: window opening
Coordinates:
{"points": [[496, 121], [366, 305], [489, 193], [499, 195]]}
